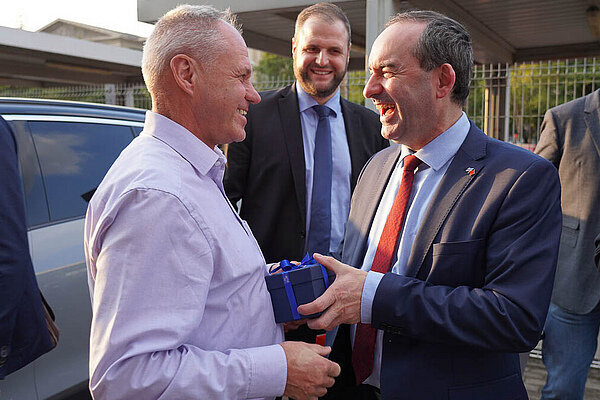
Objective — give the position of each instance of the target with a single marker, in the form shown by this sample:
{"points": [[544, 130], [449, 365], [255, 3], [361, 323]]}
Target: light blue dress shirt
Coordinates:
{"points": [[180, 305], [436, 156], [342, 167]]}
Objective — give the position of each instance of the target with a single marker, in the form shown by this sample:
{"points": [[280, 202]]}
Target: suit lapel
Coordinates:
{"points": [[592, 117], [369, 201], [453, 184], [353, 130], [292, 132]]}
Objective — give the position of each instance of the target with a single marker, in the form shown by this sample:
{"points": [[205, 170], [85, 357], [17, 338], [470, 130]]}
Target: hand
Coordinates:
{"points": [[340, 303], [293, 325], [309, 373]]}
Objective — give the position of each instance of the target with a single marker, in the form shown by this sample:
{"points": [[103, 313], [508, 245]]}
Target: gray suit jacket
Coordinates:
{"points": [[570, 139]]}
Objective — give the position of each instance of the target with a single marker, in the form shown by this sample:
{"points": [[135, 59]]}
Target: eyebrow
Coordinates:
{"points": [[384, 64]]}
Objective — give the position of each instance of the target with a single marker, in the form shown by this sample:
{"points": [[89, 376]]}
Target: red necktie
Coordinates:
{"points": [[364, 340]]}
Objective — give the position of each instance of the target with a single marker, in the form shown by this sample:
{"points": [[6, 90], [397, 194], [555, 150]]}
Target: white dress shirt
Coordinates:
{"points": [[436, 157], [180, 305]]}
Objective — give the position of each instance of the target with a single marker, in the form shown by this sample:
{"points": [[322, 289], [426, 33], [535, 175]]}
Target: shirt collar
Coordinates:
{"points": [[192, 149], [443, 148], [305, 101]]}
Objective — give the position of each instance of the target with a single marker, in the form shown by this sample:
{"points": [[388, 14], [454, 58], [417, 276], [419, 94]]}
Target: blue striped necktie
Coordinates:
{"points": [[319, 232]]}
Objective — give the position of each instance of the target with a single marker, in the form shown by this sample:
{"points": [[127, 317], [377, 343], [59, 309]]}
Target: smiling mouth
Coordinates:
{"points": [[242, 112], [386, 109], [321, 72]]}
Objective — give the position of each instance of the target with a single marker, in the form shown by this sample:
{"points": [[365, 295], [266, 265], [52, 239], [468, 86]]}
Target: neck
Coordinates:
{"points": [[438, 126]]}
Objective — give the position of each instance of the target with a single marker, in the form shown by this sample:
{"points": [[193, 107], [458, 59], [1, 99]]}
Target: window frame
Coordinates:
{"points": [[62, 118]]}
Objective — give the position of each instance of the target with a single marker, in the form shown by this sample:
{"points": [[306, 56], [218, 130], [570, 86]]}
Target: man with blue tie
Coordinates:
{"points": [[304, 149], [453, 236]]}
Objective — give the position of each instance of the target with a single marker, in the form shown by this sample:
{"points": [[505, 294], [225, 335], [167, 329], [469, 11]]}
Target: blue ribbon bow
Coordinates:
{"points": [[286, 266]]}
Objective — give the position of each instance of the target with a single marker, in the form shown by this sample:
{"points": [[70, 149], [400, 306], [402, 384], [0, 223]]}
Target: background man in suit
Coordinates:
{"points": [[570, 139], [274, 169], [295, 181], [461, 254], [24, 335]]}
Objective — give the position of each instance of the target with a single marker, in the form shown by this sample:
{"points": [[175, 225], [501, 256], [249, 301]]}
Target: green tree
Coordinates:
{"points": [[273, 65]]}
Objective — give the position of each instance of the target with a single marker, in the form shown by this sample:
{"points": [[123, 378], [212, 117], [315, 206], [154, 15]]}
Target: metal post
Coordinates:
{"points": [[507, 106]]}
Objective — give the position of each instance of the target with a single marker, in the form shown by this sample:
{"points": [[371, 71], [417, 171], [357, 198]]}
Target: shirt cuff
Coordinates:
{"points": [[368, 294], [269, 371]]}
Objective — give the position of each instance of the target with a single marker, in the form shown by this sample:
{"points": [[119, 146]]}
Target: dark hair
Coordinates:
{"points": [[325, 11], [443, 41]]}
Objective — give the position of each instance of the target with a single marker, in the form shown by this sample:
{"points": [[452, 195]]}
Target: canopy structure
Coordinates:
{"points": [[502, 31]]}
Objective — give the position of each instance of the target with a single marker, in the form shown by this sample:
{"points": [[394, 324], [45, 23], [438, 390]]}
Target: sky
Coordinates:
{"points": [[31, 15]]}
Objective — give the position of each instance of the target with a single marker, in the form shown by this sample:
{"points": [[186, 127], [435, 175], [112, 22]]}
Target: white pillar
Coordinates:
{"points": [[110, 93], [378, 12], [129, 99]]}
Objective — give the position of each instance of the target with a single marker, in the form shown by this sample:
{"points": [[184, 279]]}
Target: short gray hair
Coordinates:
{"points": [[443, 41], [186, 29]]}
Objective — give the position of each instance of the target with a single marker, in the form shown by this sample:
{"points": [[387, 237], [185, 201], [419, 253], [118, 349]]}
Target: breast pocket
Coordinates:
{"points": [[458, 263], [570, 230]]}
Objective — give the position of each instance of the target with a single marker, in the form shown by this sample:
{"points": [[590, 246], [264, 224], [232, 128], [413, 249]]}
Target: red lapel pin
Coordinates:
{"points": [[470, 171]]}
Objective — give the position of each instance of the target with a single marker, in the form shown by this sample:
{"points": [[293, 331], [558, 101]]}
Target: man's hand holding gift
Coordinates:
{"points": [[340, 304]]}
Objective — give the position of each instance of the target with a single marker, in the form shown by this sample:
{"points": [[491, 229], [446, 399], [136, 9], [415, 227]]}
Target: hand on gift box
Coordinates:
{"points": [[309, 373], [340, 303]]}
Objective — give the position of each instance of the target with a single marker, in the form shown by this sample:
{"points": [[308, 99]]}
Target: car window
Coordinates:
{"points": [[36, 208], [74, 157]]}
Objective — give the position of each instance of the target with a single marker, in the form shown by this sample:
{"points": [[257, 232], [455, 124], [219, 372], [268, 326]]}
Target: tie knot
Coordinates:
{"points": [[411, 162], [322, 111]]}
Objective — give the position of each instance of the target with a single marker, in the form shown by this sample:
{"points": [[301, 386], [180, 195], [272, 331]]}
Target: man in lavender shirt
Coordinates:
{"points": [[180, 306]]}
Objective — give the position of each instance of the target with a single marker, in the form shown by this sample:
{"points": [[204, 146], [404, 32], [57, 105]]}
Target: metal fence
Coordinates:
{"points": [[507, 101]]}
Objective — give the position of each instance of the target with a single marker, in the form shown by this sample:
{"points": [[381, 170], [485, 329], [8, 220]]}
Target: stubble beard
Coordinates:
{"points": [[309, 87]]}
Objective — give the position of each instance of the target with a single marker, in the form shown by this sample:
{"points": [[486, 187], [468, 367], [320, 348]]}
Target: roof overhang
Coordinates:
{"points": [[42, 59]]}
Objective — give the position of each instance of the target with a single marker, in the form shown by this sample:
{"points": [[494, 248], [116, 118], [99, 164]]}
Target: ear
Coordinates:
{"points": [[183, 69], [293, 46], [446, 77], [348, 55]]}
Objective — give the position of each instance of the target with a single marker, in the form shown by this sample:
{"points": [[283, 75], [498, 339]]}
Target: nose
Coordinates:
{"points": [[252, 95], [322, 58], [372, 87]]}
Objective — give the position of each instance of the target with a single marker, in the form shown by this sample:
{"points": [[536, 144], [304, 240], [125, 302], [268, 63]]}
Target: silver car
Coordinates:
{"points": [[65, 149]]}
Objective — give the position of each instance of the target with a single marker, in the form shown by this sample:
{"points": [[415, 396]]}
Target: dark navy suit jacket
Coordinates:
{"points": [[23, 332], [479, 277], [267, 169]]}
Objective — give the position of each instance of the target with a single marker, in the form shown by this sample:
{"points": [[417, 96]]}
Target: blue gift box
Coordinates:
{"points": [[296, 286]]}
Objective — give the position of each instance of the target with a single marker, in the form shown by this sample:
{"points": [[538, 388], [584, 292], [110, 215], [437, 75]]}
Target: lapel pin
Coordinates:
{"points": [[470, 171]]}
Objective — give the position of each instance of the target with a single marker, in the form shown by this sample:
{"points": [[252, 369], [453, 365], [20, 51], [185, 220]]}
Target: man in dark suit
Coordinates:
{"points": [[24, 335], [273, 170], [570, 139], [458, 232]]}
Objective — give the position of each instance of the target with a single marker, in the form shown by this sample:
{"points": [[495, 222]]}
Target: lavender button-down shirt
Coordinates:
{"points": [[180, 305]]}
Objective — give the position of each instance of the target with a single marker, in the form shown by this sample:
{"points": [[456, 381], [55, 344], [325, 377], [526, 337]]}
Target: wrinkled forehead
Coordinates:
{"points": [[396, 41]]}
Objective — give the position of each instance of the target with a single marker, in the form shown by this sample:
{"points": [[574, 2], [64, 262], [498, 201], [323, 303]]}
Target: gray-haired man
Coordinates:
{"points": [[180, 306]]}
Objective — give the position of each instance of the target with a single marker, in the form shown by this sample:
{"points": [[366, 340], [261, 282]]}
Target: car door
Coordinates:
{"points": [[74, 154]]}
